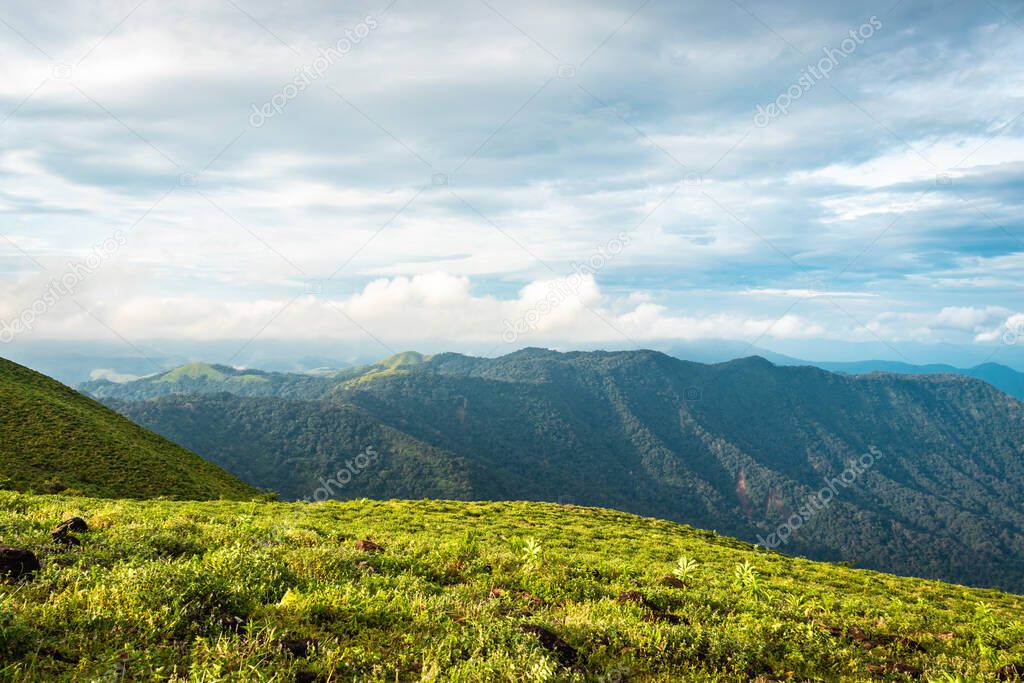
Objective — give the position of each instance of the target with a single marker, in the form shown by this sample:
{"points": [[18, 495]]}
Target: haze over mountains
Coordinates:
{"points": [[77, 362], [739, 447]]}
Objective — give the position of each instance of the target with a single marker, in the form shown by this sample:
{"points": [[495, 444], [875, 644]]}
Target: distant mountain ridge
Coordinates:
{"points": [[203, 378], [739, 447], [1000, 376], [53, 438]]}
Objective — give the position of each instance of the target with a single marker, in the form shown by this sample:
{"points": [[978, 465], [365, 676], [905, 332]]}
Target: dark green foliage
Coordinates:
{"points": [[298, 447], [738, 447], [53, 439]]}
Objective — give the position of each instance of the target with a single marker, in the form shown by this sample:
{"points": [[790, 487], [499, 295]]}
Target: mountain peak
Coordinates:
{"points": [[212, 373], [404, 358], [750, 362]]}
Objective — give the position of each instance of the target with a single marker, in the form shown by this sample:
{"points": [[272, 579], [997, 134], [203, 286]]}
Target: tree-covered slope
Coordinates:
{"points": [[53, 438], [201, 378], [921, 475], [313, 450], [464, 592]]}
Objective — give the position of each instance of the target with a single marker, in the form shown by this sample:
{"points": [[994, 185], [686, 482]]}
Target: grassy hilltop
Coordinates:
{"points": [[53, 438], [445, 591]]}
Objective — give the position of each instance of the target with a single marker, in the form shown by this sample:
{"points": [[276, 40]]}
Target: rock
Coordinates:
{"points": [[17, 562], [298, 647], [632, 597], [550, 641], [667, 617], [671, 582], [65, 539], [1011, 672], [74, 524], [61, 533], [368, 546]]}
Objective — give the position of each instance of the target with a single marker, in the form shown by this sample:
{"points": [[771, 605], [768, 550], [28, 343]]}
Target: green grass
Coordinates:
{"points": [[52, 438], [404, 358], [462, 592], [193, 371], [391, 366], [205, 371]]}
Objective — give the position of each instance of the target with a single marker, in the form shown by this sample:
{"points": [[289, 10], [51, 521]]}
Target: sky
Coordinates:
{"points": [[491, 174]]}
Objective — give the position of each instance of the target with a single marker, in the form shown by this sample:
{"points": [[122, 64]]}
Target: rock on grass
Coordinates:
{"points": [[368, 546], [17, 562], [550, 641], [73, 524]]}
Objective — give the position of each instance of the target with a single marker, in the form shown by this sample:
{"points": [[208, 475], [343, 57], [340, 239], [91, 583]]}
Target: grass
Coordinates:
{"points": [[53, 438], [202, 370], [193, 371], [226, 591], [393, 365]]}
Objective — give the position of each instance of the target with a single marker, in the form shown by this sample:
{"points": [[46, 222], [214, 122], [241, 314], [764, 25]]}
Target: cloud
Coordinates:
{"points": [[113, 375], [807, 294], [449, 311], [1011, 331], [457, 162], [970, 322]]}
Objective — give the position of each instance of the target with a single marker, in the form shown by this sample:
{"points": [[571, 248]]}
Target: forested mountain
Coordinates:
{"points": [[1004, 378], [297, 448], [926, 472], [201, 378], [52, 438]]}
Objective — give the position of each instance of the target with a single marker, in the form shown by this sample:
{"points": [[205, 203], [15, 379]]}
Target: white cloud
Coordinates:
{"points": [[1011, 331], [548, 174], [807, 294]]}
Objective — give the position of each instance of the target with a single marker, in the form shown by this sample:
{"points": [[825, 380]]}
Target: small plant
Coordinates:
{"points": [[532, 554], [808, 604], [747, 581], [684, 568], [469, 545]]}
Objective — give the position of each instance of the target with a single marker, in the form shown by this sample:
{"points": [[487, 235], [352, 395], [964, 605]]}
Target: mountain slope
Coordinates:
{"points": [[201, 378], [298, 448], [465, 592], [53, 438], [924, 474]]}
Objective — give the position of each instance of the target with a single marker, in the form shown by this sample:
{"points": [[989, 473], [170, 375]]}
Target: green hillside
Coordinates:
{"points": [[52, 438], [297, 448], [742, 447], [225, 591]]}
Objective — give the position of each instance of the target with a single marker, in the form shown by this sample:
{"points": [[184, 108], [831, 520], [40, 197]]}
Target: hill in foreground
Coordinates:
{"points": [[53, 438], [445, 591]]}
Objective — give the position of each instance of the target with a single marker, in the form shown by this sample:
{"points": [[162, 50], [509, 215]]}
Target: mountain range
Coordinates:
{"points": [[912, 474]]}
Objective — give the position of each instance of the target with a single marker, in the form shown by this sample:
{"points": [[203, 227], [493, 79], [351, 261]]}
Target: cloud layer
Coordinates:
{"points": [[443, 171]]}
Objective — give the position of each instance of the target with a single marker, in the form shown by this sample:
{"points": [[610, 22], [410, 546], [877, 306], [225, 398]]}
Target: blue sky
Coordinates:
{"points": [[522, 173]]}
